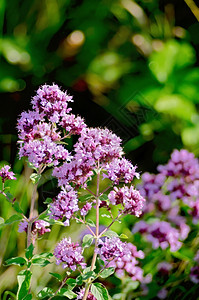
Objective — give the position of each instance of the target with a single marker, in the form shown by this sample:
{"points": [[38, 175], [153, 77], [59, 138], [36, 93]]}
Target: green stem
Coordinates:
{"points": [[62, 284]]}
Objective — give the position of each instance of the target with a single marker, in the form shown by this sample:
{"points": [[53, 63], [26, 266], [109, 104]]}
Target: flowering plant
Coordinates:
{"points": [[97, 157]]}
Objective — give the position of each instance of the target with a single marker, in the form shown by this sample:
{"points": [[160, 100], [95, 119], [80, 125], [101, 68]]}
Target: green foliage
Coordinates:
{"points": [[107, 272], [20, 261], [87, 240], [29, 252], [23, 278], [99, 291], [35, 178]]}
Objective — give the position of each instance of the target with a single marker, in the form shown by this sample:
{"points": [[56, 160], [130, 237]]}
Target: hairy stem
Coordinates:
{"points": [[32, 207], [96, 234]]}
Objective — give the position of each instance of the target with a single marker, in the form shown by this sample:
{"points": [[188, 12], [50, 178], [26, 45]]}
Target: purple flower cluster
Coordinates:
{"points": [[38, 226], [94, 148], [80, 295], [64, 205], [130, 199], [182, 164], [5, 174], [120, 170], [98, 144], [194, 274], [44, 152], [38, 129], [176, 184], [85, 209], [112, 248], [69, 254], [51, 102], [160, 234], [128, 263]]}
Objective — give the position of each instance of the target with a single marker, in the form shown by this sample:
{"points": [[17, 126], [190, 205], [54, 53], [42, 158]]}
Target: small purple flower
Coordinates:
{"points": [[112, 248], [164, 267], [183, 164], [44, 152], [120, 169], [85, 209], [98, 145], [38, 226], [72, 124], [6, 174], [80, 295], [130, 199], [162, 294], [51, 102], [64, 205], [160, 234], [69, 254], [194, 274], [151, 184], [128, 263]]}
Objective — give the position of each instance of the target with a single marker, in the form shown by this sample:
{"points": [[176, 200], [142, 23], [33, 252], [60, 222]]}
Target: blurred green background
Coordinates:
{"points": [[131, 65]]}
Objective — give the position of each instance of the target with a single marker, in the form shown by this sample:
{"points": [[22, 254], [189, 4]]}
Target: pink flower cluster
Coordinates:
{"points": [[64, 205], [38, 226], [160, 234], [128, 263], [120, 170], [130, 199], [80, 295], [38, 129], [5, 174], [69, 254], [93, 149], [112, 248], [176, 185]]}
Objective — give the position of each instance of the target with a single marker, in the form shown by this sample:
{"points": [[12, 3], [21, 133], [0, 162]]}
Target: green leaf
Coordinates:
{"points": [[9, 196], [99, 291], [87, 240], [43, 255], [42, 262], [67, 293], [19, 261], [123, 236], [29, 252], [28, 297], [71, 283], [90, 274], [48, 201], [2, 220], [100, 261], [31, 165], [35, 178], [45, 292], [23, 279], [56, 275], [12, 219], [79, 280], [90, 223], [17, 208], [110, 234], [85, 198], [107, 272], [104, 197]]}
